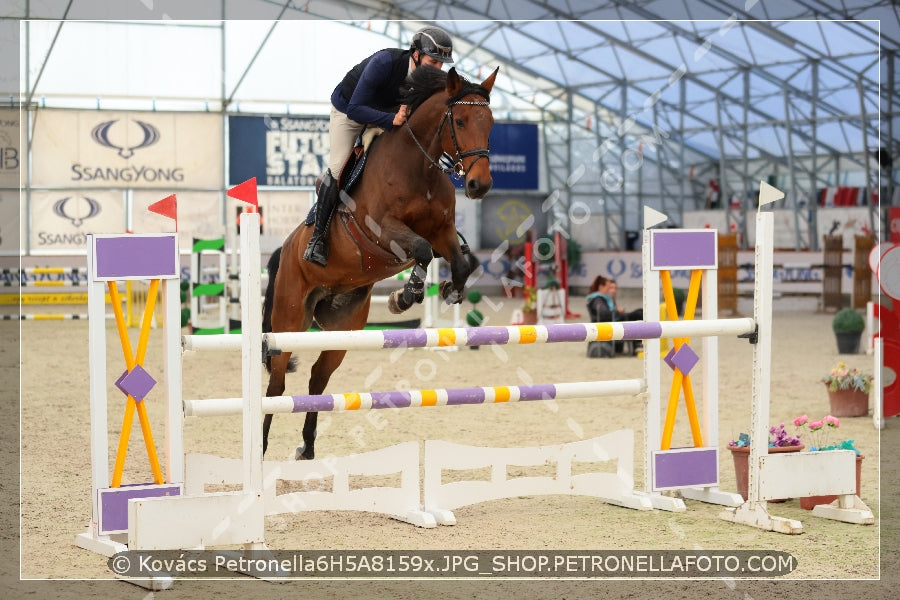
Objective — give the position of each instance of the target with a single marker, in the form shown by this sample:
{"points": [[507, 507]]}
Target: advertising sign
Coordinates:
{"points": [[61, 219], [10, 152], [278, 151], [113, 149]]}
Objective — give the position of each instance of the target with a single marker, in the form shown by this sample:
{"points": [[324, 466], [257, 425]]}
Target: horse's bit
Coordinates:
{"points": [[446, 163]]}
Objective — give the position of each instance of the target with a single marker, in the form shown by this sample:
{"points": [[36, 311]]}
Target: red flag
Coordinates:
{"points": [[167, 207], [245, 192]]}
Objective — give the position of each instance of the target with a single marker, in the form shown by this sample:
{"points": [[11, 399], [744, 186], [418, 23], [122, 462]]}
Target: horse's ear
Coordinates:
{"points": [[488, 83], [454, 84]]}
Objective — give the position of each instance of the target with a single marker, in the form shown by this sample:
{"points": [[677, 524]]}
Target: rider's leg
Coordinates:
{"points": [[343, 132], [317, 249]]}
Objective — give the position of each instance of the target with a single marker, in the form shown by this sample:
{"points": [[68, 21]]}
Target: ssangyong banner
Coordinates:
{"points": [[61, 219], [117, 149], [278, 151]]}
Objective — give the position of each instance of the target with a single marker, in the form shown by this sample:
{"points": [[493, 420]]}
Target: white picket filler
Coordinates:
{"points": [[612, 487], [790, 474]]}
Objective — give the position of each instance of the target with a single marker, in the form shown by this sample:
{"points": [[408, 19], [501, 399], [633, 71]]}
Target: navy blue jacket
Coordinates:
{"points": [[370, 91]]}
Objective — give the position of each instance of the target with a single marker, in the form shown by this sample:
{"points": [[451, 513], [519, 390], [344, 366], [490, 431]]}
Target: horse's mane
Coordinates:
{"points": [[426, 81]]}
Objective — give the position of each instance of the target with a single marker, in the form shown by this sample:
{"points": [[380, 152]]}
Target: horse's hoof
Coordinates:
{"points": [[301, 454], [393, 304]]}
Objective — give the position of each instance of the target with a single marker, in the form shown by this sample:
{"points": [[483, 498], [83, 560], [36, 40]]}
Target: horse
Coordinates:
{"points": [[401, 212]]}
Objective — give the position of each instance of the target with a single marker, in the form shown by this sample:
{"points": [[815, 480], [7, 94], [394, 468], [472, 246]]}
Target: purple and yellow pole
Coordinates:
{"points": [[681, 380], [132, 405]]}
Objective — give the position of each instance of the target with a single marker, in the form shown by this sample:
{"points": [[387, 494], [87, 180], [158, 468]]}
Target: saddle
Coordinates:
{"points": [[353, 166]]}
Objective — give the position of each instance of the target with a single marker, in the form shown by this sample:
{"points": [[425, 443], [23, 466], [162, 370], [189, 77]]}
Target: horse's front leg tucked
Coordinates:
{"points": [[413, 291], [462, 264]]}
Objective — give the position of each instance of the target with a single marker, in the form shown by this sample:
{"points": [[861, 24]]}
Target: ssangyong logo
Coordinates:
{"points": [[101, 135], [76, 210], [111, 134]]}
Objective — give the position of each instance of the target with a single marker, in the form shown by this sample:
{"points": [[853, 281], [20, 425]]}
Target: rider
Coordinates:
{"points": [[368, 95]]}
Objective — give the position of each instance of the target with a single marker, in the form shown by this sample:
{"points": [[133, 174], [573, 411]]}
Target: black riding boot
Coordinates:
{"points": [[317, 249]]}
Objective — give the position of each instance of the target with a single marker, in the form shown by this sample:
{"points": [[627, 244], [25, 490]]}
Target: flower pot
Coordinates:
{"points": [[529, 317], [741, 457], [810, 502], [848, 341], [848, 403]]}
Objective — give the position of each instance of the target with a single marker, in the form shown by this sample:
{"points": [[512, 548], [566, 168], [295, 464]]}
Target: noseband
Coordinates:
{"points": [[447, 163]]}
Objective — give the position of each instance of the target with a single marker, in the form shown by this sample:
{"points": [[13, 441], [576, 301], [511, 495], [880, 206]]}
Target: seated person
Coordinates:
{"points": [[601, 305]]}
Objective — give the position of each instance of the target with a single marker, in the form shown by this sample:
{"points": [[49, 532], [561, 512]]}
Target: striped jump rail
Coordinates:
{"points": [[47, 317], [274, 343], [418, 398], [46, 271], [44, 283]]}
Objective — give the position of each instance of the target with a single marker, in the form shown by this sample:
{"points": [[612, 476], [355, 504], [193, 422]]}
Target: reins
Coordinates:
{"points": [[446, 163]]}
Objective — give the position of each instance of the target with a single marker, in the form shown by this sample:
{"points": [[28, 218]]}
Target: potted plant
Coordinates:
{"points": [[474, 318], [818, 434], [848, 391], [848, 326], [529, 309], [779, 441]]}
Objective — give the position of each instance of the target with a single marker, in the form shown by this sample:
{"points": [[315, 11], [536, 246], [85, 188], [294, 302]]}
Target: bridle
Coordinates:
{"points": [[446, 163]]}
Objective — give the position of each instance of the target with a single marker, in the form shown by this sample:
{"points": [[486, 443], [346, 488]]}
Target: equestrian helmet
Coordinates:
{"points": [[435, 42]]}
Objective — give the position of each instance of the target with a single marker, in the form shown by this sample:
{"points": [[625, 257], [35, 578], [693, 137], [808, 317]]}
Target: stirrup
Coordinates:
{"points": [[316, 252]]}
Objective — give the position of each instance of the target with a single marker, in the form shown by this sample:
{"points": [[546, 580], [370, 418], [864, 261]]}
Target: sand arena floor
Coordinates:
{"points": [[55, 457]]}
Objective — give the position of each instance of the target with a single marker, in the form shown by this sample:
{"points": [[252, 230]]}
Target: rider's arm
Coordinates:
{"points": [[377, 71]]}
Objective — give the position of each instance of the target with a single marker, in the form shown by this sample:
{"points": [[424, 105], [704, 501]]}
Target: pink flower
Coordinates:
{"points": [[816, 425], [800, 421], [832, 421]]}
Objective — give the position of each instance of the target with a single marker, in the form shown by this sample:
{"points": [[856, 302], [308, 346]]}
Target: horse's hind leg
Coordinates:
{"points": [[320, 373], [349, 313], [278, 366]]}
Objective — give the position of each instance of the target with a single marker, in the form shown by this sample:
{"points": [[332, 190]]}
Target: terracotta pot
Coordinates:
{"points": [[848, 403], [529, 317], [810, 502], [741, 457]]}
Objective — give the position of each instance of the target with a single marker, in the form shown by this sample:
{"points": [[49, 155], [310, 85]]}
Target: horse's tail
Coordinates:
{"points": [[269, 303]]}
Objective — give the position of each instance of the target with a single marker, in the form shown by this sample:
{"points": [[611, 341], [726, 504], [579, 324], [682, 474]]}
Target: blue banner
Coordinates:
{"points": [[514, 156], [278, 151], [293, 151]]}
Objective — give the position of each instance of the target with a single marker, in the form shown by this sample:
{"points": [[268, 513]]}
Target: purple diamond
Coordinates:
{"points": [[685, 359], [668, 358], [136, 383]]}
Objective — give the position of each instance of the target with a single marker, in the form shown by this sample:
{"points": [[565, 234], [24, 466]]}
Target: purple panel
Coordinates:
{"points": [[641, 330], [313, 403], [391, 399], [674, 249], [482, 336], [668, 358], [137, 383], [566, 333], [147, 257], [465, 396], [545, 391], [685, 359], [684, 468], [114, 503], [408, 338]]}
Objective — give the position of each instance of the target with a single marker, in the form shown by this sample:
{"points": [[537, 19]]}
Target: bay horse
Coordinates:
{"points": [[402, 211]]}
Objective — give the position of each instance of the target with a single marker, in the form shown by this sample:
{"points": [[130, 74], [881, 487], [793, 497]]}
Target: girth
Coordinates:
{"points": [[371, 254]]}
